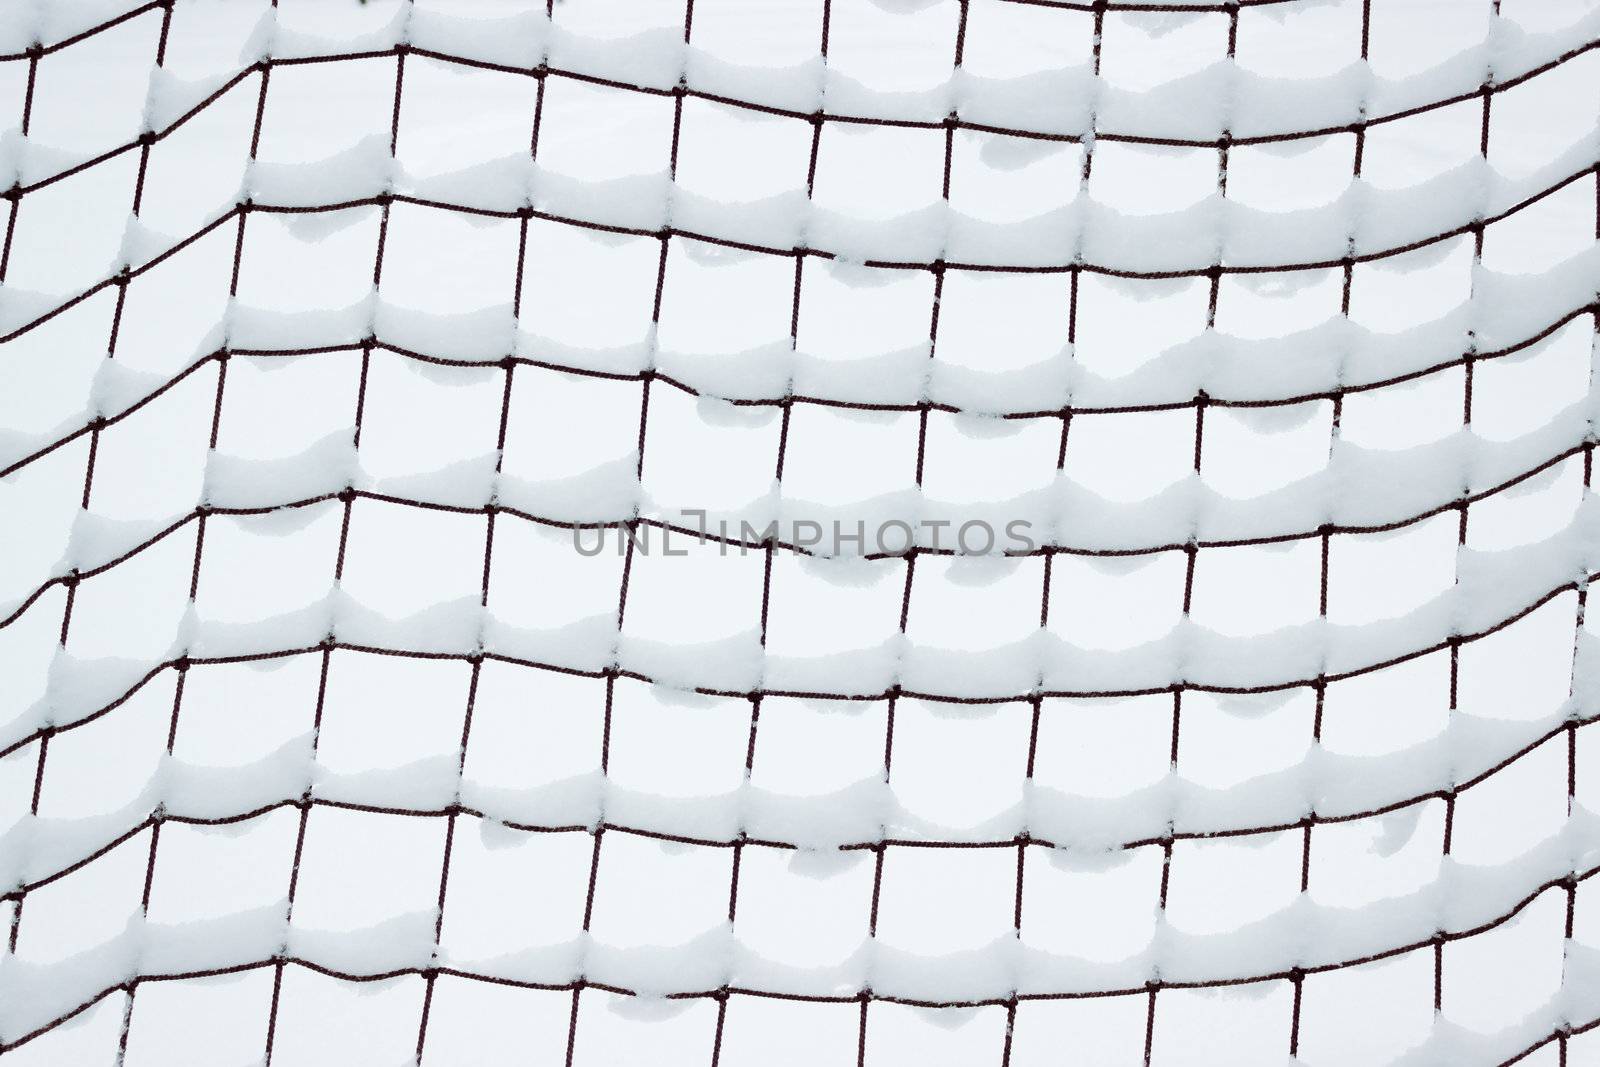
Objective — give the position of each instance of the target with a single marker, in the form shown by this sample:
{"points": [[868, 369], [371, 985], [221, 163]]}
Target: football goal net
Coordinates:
{"points": [[799, 533]]}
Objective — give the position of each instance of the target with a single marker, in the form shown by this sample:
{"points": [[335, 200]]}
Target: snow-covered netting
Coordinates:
{"points": [[809, 532]]}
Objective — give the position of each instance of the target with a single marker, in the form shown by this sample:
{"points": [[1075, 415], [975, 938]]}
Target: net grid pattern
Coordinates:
{"points": [[725, 996]]}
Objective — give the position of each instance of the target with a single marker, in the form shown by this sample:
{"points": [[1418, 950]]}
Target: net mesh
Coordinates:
{"points": [[493, 815]]}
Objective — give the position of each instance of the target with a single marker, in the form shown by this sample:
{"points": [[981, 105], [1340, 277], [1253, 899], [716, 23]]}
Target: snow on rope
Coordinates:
{"points": [[824, 532]]}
